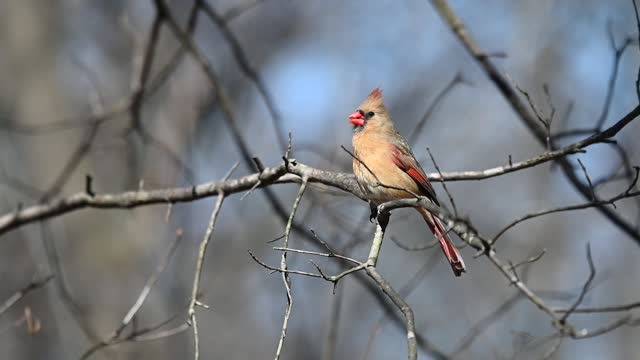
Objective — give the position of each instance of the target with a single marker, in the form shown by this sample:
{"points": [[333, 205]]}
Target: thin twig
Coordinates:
{"points": [[444, 184], [34, 285], [509, 168], [602, 309], [76, 312], [116, 336], [588, 178], [585, 287], [546, 123], [243, 62], [151, 281], [479, 327], [405, 291], [315, 253], [417, 130], [506, 89], [412, 350], [225, 107], [196, 280], [81, 151], [200, 264], [553, 349], [378, 182], [467, 233], [404, 247], [611, 85], [149, 333], [139, 80], [283, 267], [586, 205]]}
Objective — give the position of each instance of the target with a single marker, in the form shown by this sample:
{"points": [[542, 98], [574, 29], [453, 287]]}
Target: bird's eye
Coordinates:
{"points": [[370, 114]]}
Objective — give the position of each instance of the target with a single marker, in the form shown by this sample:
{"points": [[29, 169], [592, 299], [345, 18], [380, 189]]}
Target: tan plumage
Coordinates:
{"points": [[371, 147], [386, 169]]}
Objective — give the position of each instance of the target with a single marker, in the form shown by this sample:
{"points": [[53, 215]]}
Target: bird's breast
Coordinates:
{"points": [[377, 175]]}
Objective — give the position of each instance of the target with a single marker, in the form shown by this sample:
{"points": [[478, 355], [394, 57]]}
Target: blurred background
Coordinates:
{"points": [[62, 61]]}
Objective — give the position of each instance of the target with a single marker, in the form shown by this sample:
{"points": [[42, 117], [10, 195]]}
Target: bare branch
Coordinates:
{"points": [[19, 185], [505, 88], [587, 334], [277, 269], [151, 281], [132, 199], [224, 101], [139, 81], [444, 185], [473, 238], [586, 205], [588, 178], [381, 225], [402, 305], [283, 267], [120, 107], [164, 73], [349, 184], [553, 349], [603, 309], [546, 123], [199, 265], [161, 334], [290, 171], [72, 164], [76, 312], [116, 336], [480, 326], [529, 260], [404, 247], [315, 253], [145, 334], [405, 291], [369, 267], [617, 55], [511, 167], [249, 71], [585, 287], [417, 130], [34, 285]]}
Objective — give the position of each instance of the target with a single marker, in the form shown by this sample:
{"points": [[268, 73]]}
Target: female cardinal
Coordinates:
{"points": [[386, 169]]}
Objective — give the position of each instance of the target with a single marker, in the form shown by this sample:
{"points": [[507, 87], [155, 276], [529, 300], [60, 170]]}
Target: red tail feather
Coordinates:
{"points": [[450, 251]]}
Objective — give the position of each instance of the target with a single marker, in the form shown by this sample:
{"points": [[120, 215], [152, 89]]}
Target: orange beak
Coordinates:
{"points": [[356, 118]]}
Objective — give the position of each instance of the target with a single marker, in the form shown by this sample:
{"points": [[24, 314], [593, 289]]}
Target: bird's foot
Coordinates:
{"points": [[374, 212]]}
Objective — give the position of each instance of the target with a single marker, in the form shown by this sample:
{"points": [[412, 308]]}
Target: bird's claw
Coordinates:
{"points": [[374, 212]]}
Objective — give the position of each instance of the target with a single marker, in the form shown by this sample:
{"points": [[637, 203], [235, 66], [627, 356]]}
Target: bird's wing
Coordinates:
{"points": [[403, 158]]}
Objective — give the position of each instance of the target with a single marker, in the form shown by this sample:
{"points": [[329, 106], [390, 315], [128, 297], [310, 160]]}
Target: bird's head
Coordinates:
{"points": [[371, 110]]}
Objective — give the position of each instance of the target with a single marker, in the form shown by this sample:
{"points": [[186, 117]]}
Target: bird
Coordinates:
{"points": [[386, 169]]}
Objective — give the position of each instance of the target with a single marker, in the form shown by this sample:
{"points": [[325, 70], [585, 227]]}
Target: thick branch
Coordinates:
{"points": [[296, 171]]}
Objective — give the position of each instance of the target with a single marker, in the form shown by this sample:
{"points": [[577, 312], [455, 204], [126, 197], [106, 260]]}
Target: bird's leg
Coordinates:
{"points": [[374, 211], [383, 219]]}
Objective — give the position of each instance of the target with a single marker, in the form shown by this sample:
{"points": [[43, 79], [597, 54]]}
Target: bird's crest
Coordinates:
{"points": [[375, 95]]}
